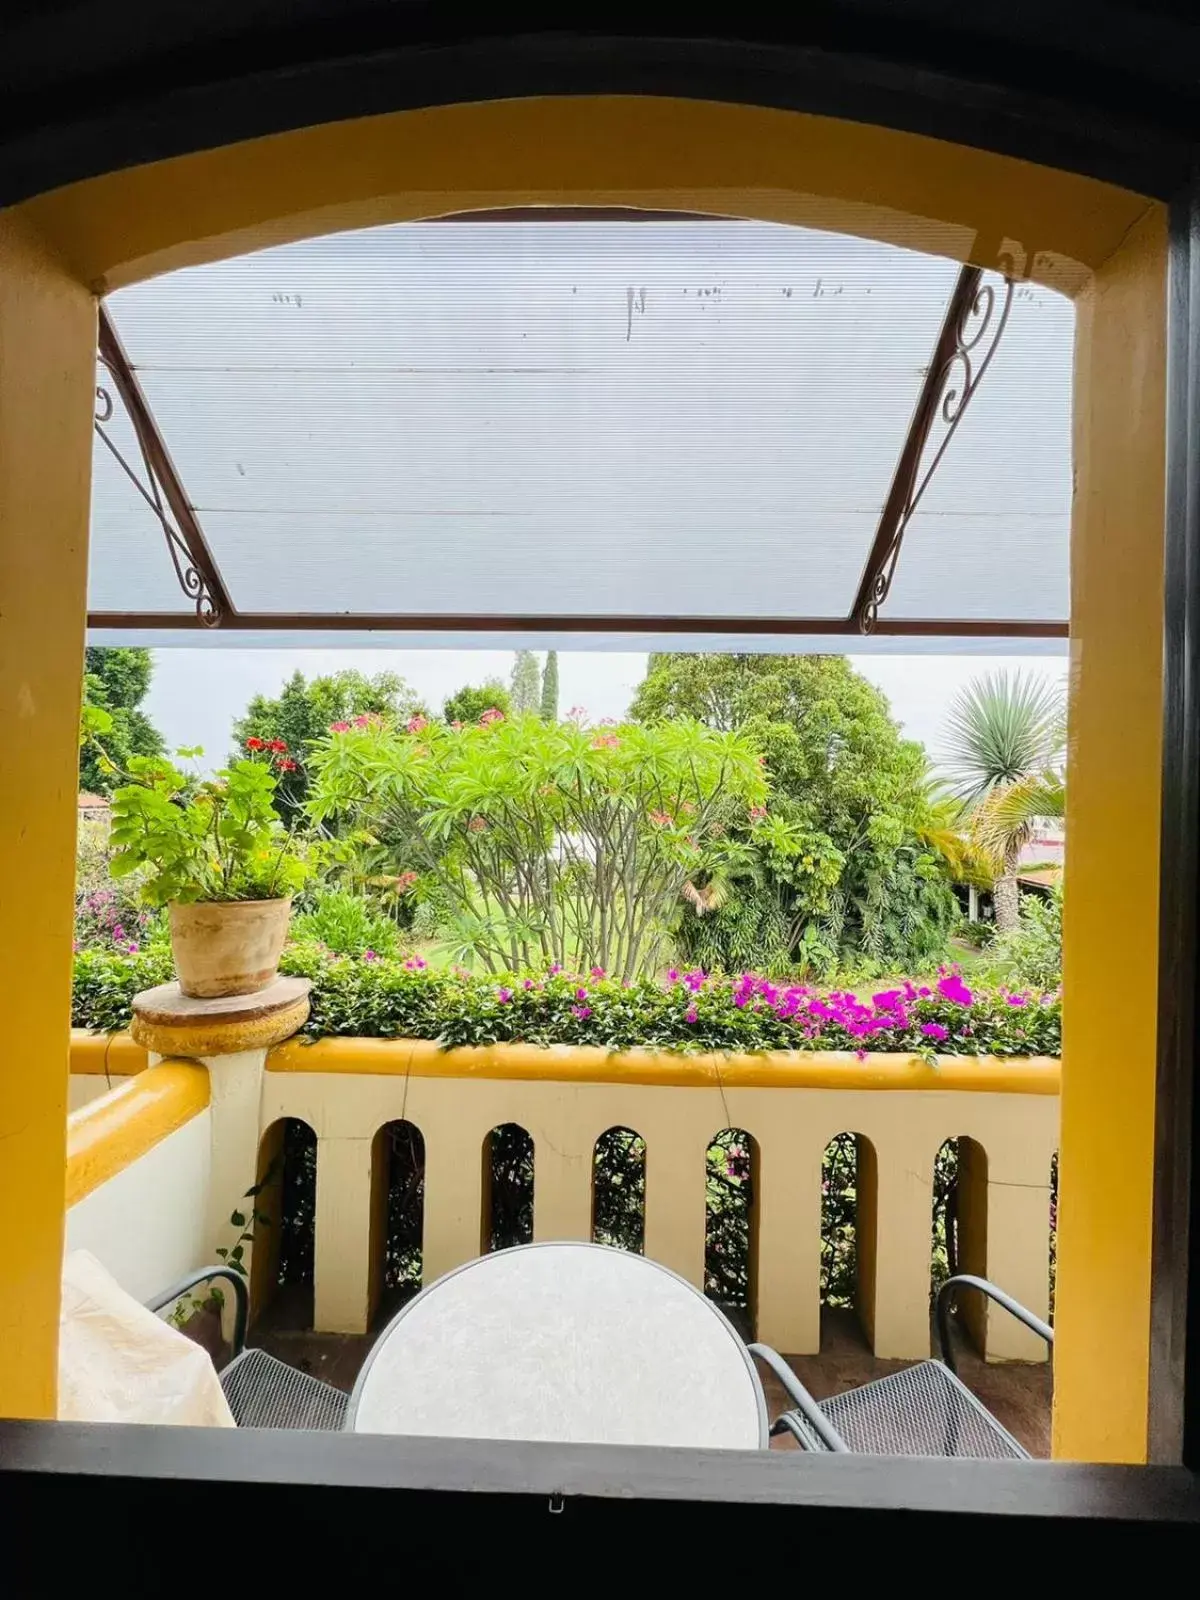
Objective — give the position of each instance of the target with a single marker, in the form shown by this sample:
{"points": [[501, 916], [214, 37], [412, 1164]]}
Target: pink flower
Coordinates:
{"points": [[504, 996], [418, 724], [555, 969], [582, 1012], [1017, 999], [477, 824], [457, 726], [339, 727], [369, 955], [415, 964], [934, 1030], [605, 741], [528, 984], [362, 722], [118, 931], [489, 716], [690, 1015], [660, 819], [581, 993], [598, 973], [757, 813], [131, 949], [576, 714], [952, 988], [672, 975]]}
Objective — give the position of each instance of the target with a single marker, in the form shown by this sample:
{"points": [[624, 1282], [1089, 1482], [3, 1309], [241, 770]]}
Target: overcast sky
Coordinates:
{"points": [[196, 694]]}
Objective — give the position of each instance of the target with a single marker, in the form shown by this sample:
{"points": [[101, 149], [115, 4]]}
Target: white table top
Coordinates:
{"points": [[569, 1342]]}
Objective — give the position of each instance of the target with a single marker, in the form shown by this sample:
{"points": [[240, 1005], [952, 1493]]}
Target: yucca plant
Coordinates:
{"points": [[1005, 740]]}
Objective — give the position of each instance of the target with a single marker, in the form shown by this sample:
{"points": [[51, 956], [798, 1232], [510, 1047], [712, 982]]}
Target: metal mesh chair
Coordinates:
{"points": [[926, 1410], [262, 1392]]}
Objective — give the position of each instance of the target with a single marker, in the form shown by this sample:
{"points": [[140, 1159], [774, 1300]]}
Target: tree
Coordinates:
{"points": [[551, 842], [116, 681], [849, 857], [1005, 738], [550, 687], [472, 700], [526, 683], [302, 712]]}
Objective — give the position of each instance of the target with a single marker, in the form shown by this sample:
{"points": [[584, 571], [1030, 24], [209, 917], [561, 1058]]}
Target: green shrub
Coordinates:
{"points": [[548, 841], [105, 983], [379, 998], [346, 924], [980, 932], [1032, 954]]}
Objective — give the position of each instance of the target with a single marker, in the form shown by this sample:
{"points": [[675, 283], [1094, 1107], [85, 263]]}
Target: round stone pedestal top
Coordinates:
{"points": [[171, 1023]]}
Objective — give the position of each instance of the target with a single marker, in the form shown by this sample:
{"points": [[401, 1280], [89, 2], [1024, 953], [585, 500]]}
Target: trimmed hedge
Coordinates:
{"points": [[687, 1012]]}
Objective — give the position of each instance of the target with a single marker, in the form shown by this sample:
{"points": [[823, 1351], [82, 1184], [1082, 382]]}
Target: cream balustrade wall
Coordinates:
{"points": [[138, 1177], [791, 1106]]}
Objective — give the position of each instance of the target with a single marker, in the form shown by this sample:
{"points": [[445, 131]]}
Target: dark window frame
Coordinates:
{"points": [[577, 1493]]}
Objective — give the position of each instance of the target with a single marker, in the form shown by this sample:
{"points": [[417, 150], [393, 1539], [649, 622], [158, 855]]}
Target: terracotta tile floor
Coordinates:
{"points": [[1018, 1395]]}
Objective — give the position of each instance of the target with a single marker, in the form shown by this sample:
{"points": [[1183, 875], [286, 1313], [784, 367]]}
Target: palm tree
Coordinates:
{"points": [[1005, 743]]}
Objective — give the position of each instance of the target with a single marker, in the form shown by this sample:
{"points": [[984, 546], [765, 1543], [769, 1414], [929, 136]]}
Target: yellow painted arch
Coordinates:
{"points": [[1101, 244], [746, 161]]}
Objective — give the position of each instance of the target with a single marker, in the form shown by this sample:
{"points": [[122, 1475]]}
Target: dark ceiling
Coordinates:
{"points": [[1105, 88]]}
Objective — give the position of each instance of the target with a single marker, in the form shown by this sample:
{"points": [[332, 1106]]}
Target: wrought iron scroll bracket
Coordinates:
{"points": [[158, 484], [975, 321]]}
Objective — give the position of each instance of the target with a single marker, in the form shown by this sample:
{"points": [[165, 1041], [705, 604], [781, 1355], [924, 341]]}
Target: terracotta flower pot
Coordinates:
{"points": [[224, 947]]}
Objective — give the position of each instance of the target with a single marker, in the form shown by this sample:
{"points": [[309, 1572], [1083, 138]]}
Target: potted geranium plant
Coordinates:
{"points": [[215, 853]]}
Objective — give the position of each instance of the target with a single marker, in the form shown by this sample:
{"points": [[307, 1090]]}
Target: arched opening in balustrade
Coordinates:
{"points": [[282, 1217], [848, 1213], [507, 1187], [959, 1237], [619, 1190], [397, 1213], [731, 1223]]}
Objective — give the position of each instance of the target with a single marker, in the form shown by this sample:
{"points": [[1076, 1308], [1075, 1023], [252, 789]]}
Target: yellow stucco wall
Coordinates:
{"points": [[1114, 798], [745, 161], [47, 378], [111, 1133], [106, 1054], [926, 194]]}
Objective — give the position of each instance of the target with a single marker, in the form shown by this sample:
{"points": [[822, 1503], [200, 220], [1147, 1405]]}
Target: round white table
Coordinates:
{"points": [[569, 1342]]}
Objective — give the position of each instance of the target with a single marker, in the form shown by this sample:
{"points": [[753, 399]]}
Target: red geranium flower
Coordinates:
{"points": [[255, 744], [286, 764], [277, 745]]}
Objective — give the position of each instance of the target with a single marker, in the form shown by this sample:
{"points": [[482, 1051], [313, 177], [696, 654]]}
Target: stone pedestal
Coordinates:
{"points": [[168, 1022], [231, 1037]]}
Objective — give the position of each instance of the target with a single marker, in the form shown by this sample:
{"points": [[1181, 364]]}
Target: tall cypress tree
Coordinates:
{"points": [[550, 687], [524, 685]]}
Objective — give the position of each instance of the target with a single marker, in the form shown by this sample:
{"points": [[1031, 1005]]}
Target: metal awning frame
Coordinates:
{"points": [[972, 327]]}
